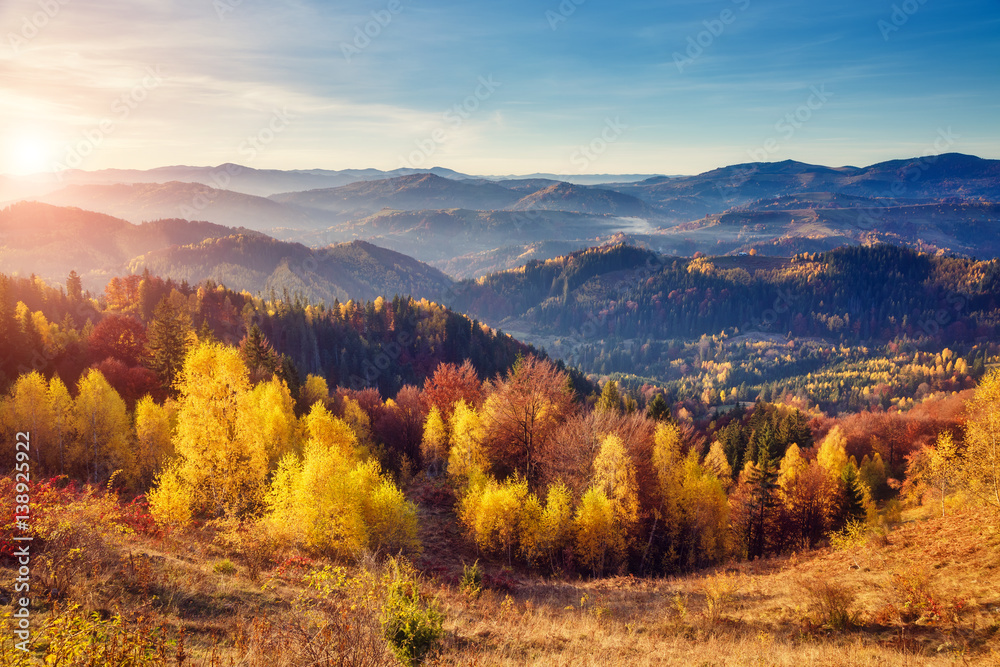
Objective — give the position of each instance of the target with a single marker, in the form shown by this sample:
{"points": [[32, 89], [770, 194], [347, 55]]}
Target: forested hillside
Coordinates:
{"points": [[845, 329], [141, 327], [48, 241], [298, 445]]}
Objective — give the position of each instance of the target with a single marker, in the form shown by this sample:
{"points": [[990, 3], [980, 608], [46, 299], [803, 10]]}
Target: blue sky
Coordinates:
{"points": [[494, 87]]}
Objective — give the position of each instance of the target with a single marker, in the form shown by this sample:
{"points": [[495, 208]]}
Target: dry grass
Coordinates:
{"points": [[928, 594], [817, 608]]}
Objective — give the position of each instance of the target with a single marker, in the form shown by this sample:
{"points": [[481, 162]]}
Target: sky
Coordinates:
{"points": [[512, 87]]}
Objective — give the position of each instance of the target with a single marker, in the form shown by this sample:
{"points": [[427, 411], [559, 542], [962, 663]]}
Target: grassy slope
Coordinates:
{"points": [[771, 617]]}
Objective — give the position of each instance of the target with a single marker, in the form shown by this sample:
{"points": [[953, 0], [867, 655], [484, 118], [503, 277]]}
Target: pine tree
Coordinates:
{"points": [[610, 400], [168, 340], [74, 287], [258, 355]]}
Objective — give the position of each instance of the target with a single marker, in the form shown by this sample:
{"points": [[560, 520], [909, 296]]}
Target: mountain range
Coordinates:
{"points": [[50, 241], [468, 226]]}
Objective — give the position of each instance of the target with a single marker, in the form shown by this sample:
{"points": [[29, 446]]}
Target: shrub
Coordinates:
{"points": [[472, 580], [70, 637], [249, 540], [833, 602], [720, 592], [224, 566], [336, 621], [858, 538], [912, 599], [412, 627]]}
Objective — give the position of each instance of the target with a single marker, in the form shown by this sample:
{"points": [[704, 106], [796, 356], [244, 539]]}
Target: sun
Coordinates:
{"points": [[27, 153]]}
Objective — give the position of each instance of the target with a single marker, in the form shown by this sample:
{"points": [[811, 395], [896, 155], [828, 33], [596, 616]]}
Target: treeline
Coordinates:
{"points": [[721, 370], [851, 294], [536, 475], [138, 331]]}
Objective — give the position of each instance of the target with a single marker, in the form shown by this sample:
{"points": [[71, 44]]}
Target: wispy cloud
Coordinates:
{"points": [[226, 72]]}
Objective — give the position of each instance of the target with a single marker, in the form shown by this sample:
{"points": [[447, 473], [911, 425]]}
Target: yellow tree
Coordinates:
{"points": [[530, 537], [547, 530], [331, 433], [331, 505], [311, 503], [391, 519], [171, 498], [596, 533], [28, 409], [101, 426], [614, 475], [945, 464], [669, 473], [492, 512], [704, 514], [718, 464], [268, 419], [610, 400], [811, 499], [467, 458], [61, 412], [355, 416], [314, 389], [557, 522], [332, 502], [874, 474], [224, 475], [153, 435], [791, 465], [434, 445], [982, 440], [832, 453]]}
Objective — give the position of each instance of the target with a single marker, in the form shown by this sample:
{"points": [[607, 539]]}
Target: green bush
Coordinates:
{"points": [[411, 625], [224, 566], [472, 580]]}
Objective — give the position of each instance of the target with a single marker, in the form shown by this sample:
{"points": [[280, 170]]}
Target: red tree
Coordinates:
{"points": [[131, 382], [522, 413], [118, 337], [451, 383]]}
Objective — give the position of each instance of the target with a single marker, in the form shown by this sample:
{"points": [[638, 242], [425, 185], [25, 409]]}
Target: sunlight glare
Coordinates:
{"points": [[27, 153]]}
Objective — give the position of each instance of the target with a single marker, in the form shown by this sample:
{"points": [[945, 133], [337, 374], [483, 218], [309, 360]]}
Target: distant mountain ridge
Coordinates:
{"points": [[413, 192], [947, 175], [467, 224], [141, 202], [356, 270], [50, 241]]}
